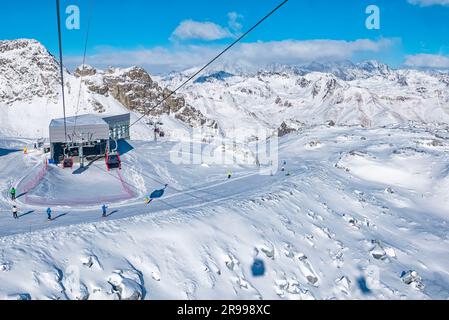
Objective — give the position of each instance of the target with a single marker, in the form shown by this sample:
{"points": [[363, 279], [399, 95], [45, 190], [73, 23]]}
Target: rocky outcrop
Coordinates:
{"points": [[285, 129], [85, 70], [135, 89], [27, 70]]}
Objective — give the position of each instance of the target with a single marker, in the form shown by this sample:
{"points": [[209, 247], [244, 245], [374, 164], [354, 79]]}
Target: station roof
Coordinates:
{"points": [[82, 120], [85, 127]]}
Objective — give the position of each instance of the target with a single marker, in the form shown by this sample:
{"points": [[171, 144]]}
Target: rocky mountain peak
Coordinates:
{"points": [[27, 70], [22, 44], [374, 67], [135, 89], [85, 70]]}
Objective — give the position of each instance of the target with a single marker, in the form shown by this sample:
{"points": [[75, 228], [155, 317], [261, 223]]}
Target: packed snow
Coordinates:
{"points": [[357, 214]]}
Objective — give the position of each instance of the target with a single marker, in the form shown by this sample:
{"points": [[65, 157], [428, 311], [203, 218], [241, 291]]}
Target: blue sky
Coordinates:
{"points": [[176, 34]]}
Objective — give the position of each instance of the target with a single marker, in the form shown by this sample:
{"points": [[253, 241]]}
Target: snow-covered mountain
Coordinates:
{"points": [[357, 213], [277, 98], [27, 70], [368, 94], [30, 93]]}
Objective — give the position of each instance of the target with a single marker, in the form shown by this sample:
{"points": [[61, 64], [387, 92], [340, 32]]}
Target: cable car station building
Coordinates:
{"points": [[91, 132]]}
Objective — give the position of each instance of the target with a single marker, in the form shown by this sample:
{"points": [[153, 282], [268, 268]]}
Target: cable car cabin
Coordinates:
{"points": [[73, 152], [113, 161], [67, 163]]}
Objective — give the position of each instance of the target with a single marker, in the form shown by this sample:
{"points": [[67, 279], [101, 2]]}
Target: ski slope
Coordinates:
{"points": [[359, 208]]}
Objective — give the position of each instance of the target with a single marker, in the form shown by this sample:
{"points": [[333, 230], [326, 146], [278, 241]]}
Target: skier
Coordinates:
{"points": [[49, 214], [13, 193], [104, 209], [25, 150], [14, 212], [229, 174]]}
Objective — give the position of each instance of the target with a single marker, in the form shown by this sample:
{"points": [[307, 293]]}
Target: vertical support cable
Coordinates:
{"points": [[84, 63], [210, 62], [58, 9]]}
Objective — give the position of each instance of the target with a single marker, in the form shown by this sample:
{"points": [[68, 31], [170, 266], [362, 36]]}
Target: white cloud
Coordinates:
{"points": [[293, 51], [234, 21], [252, 55], [427, 3], [427, 61], [208, 31], [194, 30]]}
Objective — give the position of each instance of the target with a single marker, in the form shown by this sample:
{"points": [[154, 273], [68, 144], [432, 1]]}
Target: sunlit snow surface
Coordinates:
{"points": [[360, 208]]}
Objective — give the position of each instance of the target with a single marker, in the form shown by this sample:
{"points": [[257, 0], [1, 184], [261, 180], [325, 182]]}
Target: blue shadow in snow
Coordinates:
{"points": [[363, 286], [113, 212], [124, 147], [156, 194], [258, 268], [26, 213], [21, 195], [24, 296], [60, 216], [80, 170], [5, 152]]}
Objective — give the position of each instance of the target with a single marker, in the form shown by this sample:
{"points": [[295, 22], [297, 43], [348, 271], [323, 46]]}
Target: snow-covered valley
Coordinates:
{"points": [[355, 210]]}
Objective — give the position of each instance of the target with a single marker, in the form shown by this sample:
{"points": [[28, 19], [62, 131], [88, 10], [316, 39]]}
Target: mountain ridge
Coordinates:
{"points": [[367, 93], [30, 92]]}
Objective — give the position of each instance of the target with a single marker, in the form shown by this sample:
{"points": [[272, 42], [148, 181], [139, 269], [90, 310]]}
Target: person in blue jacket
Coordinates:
{"points": [[49, 214], [104, 209]]}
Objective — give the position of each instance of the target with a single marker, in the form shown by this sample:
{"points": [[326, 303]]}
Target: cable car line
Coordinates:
{"points": [[58, 15], [83, 64], [212, 61]]}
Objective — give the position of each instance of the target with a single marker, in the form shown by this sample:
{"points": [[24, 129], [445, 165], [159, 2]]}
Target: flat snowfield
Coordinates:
{"points": [[355, 211]]}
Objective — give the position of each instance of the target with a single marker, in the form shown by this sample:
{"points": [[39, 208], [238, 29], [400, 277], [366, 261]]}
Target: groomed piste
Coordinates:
{"points": [[56, 187]]}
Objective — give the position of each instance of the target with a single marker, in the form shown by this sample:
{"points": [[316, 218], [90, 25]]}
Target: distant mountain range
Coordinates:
{"points": [[369, 93], [279, 96]]}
